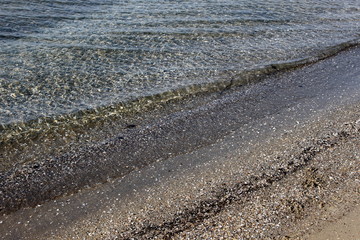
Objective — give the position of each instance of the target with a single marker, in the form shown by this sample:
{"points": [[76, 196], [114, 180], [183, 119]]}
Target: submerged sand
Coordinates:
{"points": [[275, 160]]}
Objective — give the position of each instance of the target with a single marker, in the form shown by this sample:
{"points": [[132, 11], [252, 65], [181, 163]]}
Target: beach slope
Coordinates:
{"points": [[275, 160]]}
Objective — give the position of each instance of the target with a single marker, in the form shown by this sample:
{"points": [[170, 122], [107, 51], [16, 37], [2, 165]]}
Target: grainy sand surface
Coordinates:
{"points": [[275, 160], [346, 227]]}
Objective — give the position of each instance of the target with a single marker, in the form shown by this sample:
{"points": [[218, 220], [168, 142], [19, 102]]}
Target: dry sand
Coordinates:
{"points": [[347, 227]]}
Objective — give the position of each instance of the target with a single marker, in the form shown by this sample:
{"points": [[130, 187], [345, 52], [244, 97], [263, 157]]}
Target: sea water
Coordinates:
{"points": [[64, 57]]}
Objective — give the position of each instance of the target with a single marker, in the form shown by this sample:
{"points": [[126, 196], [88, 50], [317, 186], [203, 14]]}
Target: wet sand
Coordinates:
{"points": [[275, 160]]}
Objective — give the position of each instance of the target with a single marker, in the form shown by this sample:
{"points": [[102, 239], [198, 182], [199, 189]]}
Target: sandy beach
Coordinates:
{"points": [[278, 159]]}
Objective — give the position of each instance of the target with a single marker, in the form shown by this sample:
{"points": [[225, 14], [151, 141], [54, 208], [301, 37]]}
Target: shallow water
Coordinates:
{"points": [[89, 57], [62, 56]]}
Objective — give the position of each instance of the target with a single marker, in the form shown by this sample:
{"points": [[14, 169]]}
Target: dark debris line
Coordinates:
{"points": [[209, 208]]}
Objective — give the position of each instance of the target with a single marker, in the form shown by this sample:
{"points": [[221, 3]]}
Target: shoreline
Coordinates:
{"points": [[82, 128], [298, 116]]}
